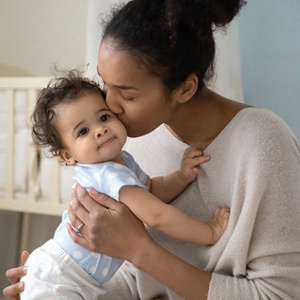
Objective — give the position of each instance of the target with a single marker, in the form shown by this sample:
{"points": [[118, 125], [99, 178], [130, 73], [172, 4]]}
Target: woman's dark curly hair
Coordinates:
{"points": [[171, 38], [59, 90]]}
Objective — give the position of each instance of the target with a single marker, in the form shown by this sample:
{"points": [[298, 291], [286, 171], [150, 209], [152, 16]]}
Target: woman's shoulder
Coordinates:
{"points": [[261, 128], [260, 121], [255, 114]]}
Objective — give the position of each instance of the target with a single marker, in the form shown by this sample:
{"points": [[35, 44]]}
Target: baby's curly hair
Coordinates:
{"points": [[59, 90]]}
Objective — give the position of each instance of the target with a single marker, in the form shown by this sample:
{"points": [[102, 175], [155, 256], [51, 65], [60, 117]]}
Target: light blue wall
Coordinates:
{"points": [[270, 54]]}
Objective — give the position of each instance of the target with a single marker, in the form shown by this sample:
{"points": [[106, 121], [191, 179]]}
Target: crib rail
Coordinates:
{"points": [[30, 201]]}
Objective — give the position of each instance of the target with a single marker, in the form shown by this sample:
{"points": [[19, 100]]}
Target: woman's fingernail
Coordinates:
{"points": [[80, 191], [93, 191], [25, 269], [21, 286]]}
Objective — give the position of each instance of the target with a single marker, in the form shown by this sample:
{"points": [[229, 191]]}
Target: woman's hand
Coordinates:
{"points": [[112, 229], [109, 227], [14, 275]]}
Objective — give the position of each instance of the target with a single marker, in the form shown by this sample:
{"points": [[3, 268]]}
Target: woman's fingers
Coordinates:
{"points": [[80, 208], [14, 290], [24, 257], [82, 213], [79, 202], [103, 199], [78, 239], [14, 275], [108, 224], [73, 218]]}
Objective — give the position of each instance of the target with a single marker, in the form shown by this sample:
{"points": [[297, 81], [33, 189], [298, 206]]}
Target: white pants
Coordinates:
{"points": [[53, 274]]}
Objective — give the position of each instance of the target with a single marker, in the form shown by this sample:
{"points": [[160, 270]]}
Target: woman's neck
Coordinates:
{"points": [[200, 120]]}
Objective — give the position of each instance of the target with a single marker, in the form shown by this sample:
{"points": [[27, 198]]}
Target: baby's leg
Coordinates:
{"points": [[43, 279], [53, 274]]}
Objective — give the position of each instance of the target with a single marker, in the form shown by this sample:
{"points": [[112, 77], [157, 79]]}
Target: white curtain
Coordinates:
{"points": [[227, 79], [93, 31]]}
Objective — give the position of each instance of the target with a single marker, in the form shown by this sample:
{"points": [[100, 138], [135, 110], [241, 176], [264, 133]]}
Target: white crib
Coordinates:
{"points": [[30, 182]]}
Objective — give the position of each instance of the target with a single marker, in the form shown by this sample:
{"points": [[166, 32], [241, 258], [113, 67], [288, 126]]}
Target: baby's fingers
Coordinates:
{"points": [[192, 152], [196, 156]]}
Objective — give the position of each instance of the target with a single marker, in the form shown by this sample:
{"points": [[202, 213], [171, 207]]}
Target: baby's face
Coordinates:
{"points": [[90, 132]]}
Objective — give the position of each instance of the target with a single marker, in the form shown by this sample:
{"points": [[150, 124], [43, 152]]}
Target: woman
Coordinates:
{"points": [[155, 59]]}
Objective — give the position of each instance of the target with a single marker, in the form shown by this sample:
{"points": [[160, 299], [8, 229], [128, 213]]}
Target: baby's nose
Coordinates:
{"points": [[100, 131]]}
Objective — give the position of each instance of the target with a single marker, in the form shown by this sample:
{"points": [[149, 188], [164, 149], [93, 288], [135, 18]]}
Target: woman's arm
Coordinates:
{"points": [[184, 279], [117, 235]]}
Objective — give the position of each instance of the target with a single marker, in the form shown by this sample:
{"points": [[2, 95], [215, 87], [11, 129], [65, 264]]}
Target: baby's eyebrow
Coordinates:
{"points": [[78, 125]]}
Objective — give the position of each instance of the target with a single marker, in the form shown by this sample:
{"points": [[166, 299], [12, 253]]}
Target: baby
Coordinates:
{"points": [[71, 118]]}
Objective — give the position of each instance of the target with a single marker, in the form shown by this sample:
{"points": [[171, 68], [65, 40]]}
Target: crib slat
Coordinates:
{"points": [[10, 145], [31, 202], [32, 174], [56, 183]]}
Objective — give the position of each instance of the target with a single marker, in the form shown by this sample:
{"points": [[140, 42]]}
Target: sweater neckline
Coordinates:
{"points": [[170, 138]]}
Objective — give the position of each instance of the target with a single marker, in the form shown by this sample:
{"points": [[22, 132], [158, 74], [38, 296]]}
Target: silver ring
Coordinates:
{"points": [[79, 228]]}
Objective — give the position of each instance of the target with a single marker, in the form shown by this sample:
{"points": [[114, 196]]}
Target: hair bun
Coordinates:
{"points": [[224, 11]]}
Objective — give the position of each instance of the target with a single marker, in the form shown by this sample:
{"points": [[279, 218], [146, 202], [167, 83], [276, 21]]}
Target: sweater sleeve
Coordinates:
{"points": [[263, 252]]}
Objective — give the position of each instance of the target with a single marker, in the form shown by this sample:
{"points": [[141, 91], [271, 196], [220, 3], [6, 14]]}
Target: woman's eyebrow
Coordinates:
{"points": [[125, 87]]}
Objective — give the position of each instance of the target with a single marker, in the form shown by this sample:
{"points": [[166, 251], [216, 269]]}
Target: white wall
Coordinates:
{"points": [[35, 34]]}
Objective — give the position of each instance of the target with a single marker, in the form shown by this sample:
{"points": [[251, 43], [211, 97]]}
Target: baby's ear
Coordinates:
{"points": [[66, 157]]}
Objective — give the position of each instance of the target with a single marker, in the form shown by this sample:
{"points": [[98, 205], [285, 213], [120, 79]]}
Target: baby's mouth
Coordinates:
{"points": [[107, 142]]}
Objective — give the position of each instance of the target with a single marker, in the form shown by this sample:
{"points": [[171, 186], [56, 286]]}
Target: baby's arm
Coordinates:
{"points": [[170, 220], [166, 188]]}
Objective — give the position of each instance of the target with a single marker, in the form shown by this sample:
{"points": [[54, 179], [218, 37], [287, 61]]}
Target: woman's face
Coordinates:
{"points": [[137, 97]]}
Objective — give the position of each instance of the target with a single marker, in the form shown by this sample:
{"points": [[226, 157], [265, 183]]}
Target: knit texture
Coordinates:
{"points": [[254, 170]]}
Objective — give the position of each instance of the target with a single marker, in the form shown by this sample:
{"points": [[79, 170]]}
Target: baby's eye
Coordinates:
{"points": [[83, 131], [104, 118]]}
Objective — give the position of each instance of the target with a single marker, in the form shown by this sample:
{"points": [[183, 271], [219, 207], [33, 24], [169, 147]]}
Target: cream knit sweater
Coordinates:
{"points": [[255, 170]]}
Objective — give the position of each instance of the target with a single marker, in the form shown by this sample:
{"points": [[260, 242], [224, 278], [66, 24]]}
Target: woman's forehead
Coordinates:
{"points": [[118, 67]]}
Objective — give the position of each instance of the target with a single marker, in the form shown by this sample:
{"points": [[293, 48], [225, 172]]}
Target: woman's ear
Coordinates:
{"points": [[187, 89], [65, 156]]}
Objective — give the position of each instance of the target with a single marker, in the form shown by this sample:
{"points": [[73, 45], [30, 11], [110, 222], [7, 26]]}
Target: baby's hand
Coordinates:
{"points": [[191, 159], [218, 223]]}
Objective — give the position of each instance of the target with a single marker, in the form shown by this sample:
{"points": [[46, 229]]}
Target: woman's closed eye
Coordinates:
{"points": [[127, 98]]}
